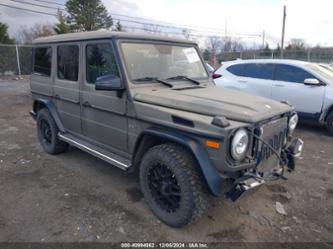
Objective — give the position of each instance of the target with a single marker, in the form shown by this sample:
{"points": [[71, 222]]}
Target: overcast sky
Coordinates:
{"points": [[310, 20]]}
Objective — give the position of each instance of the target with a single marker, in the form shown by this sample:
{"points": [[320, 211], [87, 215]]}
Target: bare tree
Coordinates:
{"points": [[214, 45], [152, 28], [27, 35], [232, 45], [186, 33], [296, 44]]}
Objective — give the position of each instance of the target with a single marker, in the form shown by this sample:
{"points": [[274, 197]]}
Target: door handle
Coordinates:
{"points": [[86, 104], [279, 85]]}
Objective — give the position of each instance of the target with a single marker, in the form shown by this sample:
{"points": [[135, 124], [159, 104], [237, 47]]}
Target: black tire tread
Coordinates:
{"points": [[329, 122], [190, 167]]}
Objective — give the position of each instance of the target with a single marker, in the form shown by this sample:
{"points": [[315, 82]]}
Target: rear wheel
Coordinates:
{"points": [[172, 185], [329, 123], [47, 131]]}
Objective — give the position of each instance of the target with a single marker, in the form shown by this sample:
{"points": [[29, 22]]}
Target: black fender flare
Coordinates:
{"points": [[210, 174], [52, 109]]}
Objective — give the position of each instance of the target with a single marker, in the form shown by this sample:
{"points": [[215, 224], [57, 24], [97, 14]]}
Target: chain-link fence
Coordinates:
{"points": [[15, 59], [321, 55]]}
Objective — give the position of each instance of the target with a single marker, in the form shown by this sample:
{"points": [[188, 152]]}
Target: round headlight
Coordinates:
{"points": [[239, 144], [293, 122]]}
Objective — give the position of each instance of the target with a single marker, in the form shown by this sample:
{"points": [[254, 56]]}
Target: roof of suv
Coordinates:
{"points": [[103, 35]]}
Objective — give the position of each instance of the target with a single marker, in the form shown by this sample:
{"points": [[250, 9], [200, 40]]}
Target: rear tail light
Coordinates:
{"points": [[216, 75]]}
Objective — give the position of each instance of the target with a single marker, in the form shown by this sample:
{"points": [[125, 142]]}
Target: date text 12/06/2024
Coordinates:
{"points": [[163, 245]]}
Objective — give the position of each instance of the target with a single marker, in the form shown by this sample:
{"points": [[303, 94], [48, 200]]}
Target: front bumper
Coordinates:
{"points": [[249, 182]]}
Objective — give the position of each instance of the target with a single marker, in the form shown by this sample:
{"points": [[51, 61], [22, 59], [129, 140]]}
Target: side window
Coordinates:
{"points": [[42, 61], [291, 74], [236, 69], [259, 71], [68, 62], [100, 61]]}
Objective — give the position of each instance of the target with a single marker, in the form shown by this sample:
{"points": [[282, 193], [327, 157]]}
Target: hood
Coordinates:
{"points": [[214, 101]]}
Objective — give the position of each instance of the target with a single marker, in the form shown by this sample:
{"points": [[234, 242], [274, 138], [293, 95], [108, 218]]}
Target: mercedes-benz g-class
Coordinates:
{"points": [[147, 103]]}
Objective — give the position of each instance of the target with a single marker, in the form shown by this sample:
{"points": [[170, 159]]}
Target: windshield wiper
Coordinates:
{"points": [[183, 77], [153, 79]]}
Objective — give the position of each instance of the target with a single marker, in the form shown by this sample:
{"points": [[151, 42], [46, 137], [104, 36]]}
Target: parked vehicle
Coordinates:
{"points": [[307, 86], [146, 102]]}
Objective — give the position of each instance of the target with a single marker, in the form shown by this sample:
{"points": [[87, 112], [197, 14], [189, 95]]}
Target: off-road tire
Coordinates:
{"points": [[329, 123], [193, 191], [52, 145]]}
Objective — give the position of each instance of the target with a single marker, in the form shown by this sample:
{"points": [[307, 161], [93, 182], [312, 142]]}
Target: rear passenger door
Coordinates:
{"points": [[257, 79], [41, 78], [66, 86], [104, 120]]}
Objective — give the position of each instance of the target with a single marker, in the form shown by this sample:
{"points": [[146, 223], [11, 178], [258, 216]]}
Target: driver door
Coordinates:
{"points": [[103, 113]]}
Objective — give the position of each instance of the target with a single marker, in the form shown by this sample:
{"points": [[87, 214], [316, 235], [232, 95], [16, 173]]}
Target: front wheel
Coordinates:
{"points": [[172, 185], [329, 123]]}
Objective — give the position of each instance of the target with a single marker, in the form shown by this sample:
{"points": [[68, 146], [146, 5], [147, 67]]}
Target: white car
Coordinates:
{"points": [[307, 86]]}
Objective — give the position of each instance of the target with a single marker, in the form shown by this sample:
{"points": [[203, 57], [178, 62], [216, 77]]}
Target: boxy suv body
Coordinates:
{"points": [[147, 103], [306, 86]]}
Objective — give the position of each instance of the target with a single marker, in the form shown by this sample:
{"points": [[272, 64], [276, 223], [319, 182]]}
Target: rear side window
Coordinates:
{"points": [[68, 62], [100, 61], [259, 71], [236, 69], [291, 74], [42, 61]]}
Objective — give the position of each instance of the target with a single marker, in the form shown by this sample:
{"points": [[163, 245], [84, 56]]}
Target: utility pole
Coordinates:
{"points": [[283, 28], [263, 39]]}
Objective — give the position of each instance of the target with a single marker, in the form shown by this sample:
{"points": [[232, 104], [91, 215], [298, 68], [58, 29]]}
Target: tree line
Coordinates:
{"points": [[79, 15]]}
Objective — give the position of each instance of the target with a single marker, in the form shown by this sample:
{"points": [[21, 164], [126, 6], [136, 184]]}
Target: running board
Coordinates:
{"points": [[107, 156]]}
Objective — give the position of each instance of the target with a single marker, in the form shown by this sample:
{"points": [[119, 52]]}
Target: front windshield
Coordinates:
{"points": [[162, 61], [323, 71]]}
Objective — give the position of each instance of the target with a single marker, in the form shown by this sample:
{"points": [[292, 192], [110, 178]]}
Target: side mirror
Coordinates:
{"points": [[311, 82], [108, 83]]}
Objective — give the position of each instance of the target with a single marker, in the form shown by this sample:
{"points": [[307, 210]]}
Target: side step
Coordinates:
{"points": [[96, 151]]}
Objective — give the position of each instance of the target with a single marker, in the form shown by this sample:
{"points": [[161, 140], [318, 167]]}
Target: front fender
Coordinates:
{"points": [[210, 173]]}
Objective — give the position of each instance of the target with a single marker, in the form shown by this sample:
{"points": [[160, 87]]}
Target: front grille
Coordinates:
{"points": [[274, 133]]}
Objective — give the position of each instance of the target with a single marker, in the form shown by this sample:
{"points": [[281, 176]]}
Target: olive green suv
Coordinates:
{"points": [[146, 103]]}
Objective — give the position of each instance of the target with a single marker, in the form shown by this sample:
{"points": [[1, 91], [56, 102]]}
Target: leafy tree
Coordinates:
{"points": [[4, 36], [87, 15], [7, 53], [278, 48], [267, 48], [62, 27], [207, 54]]}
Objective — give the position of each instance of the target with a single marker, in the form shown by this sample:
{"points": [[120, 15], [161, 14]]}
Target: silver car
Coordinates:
{"points": [[307, 86]]}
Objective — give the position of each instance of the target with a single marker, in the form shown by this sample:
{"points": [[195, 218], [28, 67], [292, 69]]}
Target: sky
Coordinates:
{"points": [[308, 19]]}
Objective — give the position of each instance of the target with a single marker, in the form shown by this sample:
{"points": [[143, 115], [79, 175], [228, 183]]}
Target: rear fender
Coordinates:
{"points": [[47, 103]]}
